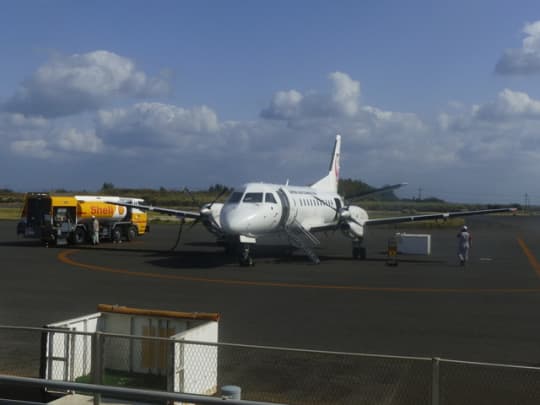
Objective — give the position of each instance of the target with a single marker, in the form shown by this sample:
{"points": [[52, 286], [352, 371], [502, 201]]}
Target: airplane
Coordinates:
{"points": [[262, 209]]}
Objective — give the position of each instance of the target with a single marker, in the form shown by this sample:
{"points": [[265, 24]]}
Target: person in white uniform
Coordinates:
{"points": [[464, 245]]}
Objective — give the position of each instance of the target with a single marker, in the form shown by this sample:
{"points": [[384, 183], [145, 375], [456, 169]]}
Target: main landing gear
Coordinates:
{"points": [[358, 251]]}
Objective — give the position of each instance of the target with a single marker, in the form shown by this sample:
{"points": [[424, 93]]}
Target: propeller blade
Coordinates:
{"points": [[218, 197], [195, 202], [354, 220], [194, 223], [340, 212], [325, 203]]}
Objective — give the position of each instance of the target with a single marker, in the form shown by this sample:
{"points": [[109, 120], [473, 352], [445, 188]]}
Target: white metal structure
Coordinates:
{"points": [[260, 209], [129, 348]]}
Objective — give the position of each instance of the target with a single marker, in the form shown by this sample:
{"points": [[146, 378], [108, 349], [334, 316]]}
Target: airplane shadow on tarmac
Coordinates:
{"points": [[186, 257], [204, 255], [195, 259]]}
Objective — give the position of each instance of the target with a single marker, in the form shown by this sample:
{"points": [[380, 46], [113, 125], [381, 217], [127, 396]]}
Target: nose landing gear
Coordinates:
{"points": [[246, 259], [246, 244]]}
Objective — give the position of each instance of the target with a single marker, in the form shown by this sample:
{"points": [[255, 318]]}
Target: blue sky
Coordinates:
{"points": [[442, 95]]}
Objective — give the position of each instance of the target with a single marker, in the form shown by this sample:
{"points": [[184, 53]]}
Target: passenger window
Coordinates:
{"points": [[269, 198]]}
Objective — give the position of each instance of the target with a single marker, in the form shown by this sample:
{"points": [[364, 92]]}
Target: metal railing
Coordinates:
{"points": [[268, 374], [124, 393]]}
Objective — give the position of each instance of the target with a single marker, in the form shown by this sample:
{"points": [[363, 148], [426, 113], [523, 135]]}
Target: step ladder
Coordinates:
{"points": [[301, 238]]}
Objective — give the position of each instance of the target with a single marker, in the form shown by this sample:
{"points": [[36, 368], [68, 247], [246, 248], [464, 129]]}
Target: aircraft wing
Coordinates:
{"points": [[440, 215], [168, 211]]}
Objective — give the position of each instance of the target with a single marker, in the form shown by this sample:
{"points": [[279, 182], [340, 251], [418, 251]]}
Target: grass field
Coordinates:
{"points": [[10, 213]]}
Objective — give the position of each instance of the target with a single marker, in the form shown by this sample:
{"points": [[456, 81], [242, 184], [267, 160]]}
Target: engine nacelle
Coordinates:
{"points": [[351, 229], [210, 217]]}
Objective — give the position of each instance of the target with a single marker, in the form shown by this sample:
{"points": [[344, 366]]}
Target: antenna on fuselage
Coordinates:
{"points": [[287, 182]]}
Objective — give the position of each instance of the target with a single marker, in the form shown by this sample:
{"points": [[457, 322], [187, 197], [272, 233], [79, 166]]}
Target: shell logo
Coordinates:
{"points": [[121, 210]]}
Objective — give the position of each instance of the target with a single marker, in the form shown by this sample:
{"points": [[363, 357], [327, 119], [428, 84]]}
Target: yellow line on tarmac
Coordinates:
{"points": [[532, 260], [64, 257]]}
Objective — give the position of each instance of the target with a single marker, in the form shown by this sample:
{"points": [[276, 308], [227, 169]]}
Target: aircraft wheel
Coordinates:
{"points": [[247, 262], [362, 253], [359, 253], [245, 257]]}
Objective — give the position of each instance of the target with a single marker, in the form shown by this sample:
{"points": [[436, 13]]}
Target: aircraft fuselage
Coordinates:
{"points": [[262, 208]]}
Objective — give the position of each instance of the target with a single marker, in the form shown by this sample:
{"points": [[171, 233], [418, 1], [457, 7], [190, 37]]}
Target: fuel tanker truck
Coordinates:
{"points": [[67, 219]]}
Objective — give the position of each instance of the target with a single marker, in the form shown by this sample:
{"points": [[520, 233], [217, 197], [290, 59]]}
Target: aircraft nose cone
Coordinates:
{"points": [[234, 222]]}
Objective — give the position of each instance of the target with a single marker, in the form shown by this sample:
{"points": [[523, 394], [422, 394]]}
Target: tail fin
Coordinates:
{"points": [[329, 183]]}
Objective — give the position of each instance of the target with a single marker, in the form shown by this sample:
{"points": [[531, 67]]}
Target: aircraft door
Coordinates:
{"points": [[285, 207], [338, 206]]}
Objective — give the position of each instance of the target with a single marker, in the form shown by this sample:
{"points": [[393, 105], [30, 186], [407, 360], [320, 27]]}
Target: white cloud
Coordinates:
{"points": [[509, 105], [158, 125], [17, 127], [509, 108], [41, 138], [498, 131], [74, 140], [291, 104], [31, 148], [390, 120], [191, 146], [17, 121], [367, 128], [525, 60], [284, 105], [346, 93], [69, 85]]}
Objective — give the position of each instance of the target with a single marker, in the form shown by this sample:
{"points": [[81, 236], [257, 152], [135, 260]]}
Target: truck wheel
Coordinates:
{"points": [[80, 236], [132, 233], [117, 234]]}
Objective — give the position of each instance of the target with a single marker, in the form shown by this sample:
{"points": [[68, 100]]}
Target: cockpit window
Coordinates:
{"points": [[235, 197], [269, 198], [253, 197]]}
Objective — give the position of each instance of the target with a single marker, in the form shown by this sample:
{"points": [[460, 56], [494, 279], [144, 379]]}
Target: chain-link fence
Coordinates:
{"points": [[264, 373]]}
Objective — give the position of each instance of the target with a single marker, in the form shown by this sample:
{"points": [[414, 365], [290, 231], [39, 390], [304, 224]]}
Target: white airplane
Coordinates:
{"points": [[262, 209]]}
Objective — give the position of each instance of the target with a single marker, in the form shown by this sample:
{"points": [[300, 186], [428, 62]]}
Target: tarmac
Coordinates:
{"points": [[426, 306]]}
